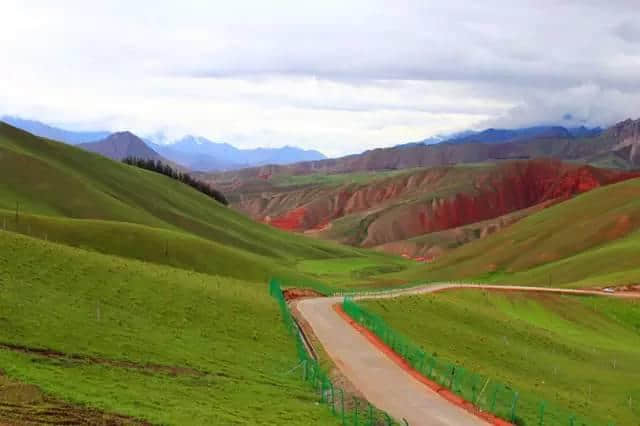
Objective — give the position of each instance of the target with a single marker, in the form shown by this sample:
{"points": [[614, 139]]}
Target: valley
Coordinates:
{"points": [[148, 286], [416, 213], [397, 211]]}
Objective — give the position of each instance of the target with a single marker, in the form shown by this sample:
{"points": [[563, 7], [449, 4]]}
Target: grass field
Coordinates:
{"points": [[112, 268], [62, 193], [353, 271], [589, 240], [119, 310], [335, 179], [576, 352], [363, 177]]}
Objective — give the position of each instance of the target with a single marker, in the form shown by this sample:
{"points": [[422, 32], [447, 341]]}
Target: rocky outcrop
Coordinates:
{"points": [[627, 137], [425, 201]]}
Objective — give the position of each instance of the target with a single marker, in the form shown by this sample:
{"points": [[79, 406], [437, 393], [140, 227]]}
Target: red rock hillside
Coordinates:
{"points": [[422, 201]]}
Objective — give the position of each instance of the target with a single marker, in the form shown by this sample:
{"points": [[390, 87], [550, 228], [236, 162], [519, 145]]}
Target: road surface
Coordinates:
{"points": [[381, 380]]}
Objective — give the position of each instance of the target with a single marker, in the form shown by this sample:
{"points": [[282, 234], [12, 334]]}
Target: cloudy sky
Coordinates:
{"points": [[339, 76]]}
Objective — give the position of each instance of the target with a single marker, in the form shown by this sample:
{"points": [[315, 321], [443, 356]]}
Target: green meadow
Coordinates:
{"points": [[150, 296], [223, 336], [578, 353], [590, 240]]}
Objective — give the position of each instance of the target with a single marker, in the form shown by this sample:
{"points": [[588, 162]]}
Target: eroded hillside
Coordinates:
{"points": [[379, 209]]}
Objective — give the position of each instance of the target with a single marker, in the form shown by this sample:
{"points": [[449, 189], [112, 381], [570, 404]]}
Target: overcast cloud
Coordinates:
{"points": [[338, 76]]}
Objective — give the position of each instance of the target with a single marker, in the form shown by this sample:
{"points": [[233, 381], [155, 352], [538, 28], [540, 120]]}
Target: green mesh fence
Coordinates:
{"points": [[486, 394], [350, 411]]}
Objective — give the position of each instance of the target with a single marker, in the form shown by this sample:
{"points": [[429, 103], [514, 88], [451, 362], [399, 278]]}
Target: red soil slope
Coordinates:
{"points": [[429, 200]]}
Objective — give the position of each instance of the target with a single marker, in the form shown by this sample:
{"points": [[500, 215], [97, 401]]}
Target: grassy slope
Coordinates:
{"points": [[51, 295], [199, 298], [323, 179], [591, 239], [61, 184], [558, 348]]}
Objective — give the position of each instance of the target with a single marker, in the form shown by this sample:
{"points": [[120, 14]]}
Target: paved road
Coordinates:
{"points": [[383, 382]]}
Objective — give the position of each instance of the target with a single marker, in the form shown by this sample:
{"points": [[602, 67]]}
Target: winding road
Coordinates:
{"points": [[381, 380]]}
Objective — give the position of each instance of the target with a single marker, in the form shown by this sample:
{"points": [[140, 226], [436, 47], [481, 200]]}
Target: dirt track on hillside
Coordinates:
{"points": [[381, 379]]}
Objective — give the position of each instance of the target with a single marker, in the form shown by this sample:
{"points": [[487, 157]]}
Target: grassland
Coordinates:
{"points": [[361, 177], [353, 272], [590, 240], [226, 331], [576, 352], [61, 193], [150, 297], [323, 179]]}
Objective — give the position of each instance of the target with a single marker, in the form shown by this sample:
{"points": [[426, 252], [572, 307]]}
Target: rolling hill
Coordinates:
{"points": [[107, 334], [399, 211], [90, 201], [590, 240], [119, 282], [554, 347]]}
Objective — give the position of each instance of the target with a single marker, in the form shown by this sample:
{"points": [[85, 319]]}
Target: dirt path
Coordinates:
{"points": [[380, 379]]}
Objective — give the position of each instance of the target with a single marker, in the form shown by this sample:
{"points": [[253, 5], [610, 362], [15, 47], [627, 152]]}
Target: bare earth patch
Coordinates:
{"points": [[25, 404], [53, 354]]}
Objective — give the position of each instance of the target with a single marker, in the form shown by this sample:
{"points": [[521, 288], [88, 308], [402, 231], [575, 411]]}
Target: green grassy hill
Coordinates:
{"points": [[62, 193], [590, 240], [218, 350], [126, 291], [579, 354]]}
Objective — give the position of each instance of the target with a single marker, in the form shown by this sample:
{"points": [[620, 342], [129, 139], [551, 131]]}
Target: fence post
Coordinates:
{"points": [[474, 390], [388, 419], [494, 397], [305, 373], [342, 405], [451, 377], [542, 407], [371, 419], [514, 403], [333, 399], [313, 376], [355, 411], [572, 420], [432, 362]]}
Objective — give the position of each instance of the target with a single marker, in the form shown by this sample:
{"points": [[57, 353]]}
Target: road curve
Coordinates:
{"points": [[381, 380]]}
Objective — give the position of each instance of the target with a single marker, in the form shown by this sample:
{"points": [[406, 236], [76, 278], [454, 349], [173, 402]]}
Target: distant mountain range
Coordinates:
{"points": [[527, 133], [618, 146], [199, 153], [615, 147], [508, 135], [45, 131], [192, 152]]}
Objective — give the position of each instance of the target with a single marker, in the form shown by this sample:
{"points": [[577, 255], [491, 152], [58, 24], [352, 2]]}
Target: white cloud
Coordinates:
{"points": [[336, 76]]}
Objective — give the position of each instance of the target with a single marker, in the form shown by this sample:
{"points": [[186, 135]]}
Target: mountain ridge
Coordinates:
{"points": [[607, 149], [193, 152], [54, 133], [121, 145], [192, 148]]}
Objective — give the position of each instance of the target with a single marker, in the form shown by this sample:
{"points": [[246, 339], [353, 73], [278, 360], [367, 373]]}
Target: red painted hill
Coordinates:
{"points": [[418, 202]]}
